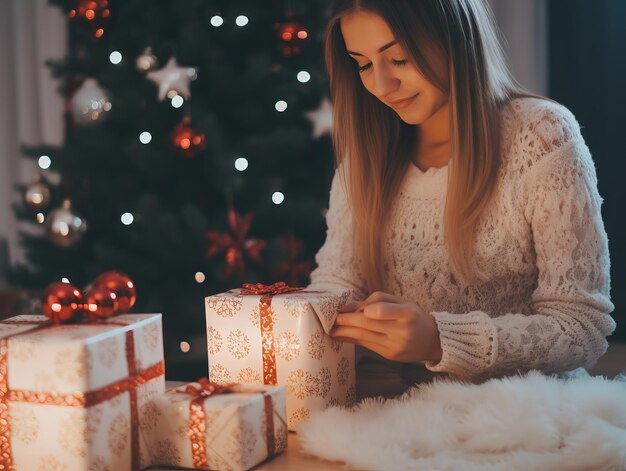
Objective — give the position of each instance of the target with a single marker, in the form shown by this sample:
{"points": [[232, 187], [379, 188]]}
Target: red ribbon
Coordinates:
{"points": [[208, 388], [266, 323], [197, 416]]}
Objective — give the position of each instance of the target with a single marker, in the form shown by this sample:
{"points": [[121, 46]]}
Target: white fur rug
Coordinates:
{"points": [[531, 422]]}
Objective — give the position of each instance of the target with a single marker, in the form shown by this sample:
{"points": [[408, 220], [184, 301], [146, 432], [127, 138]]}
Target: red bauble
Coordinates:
{"points": [[292, 37], [186, 140], [60, 301], [123, 287], [92, 13], [100, 302]]}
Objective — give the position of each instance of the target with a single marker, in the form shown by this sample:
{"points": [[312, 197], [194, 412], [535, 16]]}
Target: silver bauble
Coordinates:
{"points": [[37, 195], [64, 227], [146, 61], [90, 103]]}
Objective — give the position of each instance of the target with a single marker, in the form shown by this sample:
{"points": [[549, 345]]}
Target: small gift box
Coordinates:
{"points": [[208, 426], [279, 335], [71, 395]]}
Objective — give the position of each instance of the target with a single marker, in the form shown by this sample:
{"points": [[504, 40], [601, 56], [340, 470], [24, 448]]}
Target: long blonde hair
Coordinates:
{"points": [[376, 145]]}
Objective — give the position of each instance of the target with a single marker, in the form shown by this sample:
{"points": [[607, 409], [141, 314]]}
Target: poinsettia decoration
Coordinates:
{"points": [[235, 244], [293, 270]]}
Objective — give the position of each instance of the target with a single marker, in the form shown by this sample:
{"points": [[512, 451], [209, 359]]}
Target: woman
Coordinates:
{"points": [[464, 210]]}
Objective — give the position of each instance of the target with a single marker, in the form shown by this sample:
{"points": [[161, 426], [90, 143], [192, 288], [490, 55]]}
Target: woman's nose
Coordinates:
{"points": [[384, 82]]}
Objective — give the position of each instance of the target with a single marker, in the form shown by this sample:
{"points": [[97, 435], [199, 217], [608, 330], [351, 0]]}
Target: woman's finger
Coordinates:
{"points": [[357, 319], [385, 311], [380, 297], [358, 335]]}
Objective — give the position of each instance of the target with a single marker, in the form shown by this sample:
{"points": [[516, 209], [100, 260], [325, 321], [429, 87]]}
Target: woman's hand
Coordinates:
{"points": [[389, 326]]}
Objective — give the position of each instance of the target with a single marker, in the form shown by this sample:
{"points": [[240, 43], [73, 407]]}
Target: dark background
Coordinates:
{"points": [[587, 70]]}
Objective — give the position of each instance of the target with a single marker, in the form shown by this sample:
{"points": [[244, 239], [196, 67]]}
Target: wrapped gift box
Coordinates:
{"points": [[228, 431], [71, 395], [282, 339]]}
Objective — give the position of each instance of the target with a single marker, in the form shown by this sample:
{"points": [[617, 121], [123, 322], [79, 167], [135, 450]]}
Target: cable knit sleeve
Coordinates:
{"points": [[570, 319], [337, 265]]}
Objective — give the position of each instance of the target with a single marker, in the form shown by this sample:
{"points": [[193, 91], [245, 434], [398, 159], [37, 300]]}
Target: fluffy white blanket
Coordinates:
{"points": [[530, 422]]}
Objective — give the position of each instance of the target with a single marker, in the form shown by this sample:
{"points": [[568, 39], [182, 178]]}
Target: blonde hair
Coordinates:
{"points": [[367, 132]]}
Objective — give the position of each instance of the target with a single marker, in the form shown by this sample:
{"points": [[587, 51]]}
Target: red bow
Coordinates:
{"points": [[208, 388], [259, 288]]}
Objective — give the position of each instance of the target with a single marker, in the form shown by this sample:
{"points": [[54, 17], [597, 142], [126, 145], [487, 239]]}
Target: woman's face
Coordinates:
{"points": [[386, 70]]}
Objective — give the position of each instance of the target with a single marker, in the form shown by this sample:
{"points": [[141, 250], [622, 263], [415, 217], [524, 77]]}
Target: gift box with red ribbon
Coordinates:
{"points": [[203, 425], [72, 396], [278, 334]]}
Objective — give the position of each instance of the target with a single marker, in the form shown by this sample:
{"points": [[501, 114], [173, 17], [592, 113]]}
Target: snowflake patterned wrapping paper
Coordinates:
{"points": [[71, 395], [225, 432], [286, 343]]}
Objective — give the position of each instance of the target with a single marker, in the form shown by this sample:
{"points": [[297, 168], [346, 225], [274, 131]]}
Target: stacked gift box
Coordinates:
{"points": [[279, 335], [91, 394]]}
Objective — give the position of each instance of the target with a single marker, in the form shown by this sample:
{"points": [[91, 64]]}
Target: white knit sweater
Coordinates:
{"points": [[542, 243]]}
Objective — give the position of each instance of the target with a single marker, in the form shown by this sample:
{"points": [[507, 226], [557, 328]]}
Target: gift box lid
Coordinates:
{"points": [[324, 303], [71, 358]]}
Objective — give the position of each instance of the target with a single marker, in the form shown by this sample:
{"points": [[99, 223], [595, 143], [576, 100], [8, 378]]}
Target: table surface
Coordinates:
{"points": [[291, 459]]}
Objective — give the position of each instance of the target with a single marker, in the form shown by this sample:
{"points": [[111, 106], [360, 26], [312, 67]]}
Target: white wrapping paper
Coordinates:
{"points": [[317, 370]]}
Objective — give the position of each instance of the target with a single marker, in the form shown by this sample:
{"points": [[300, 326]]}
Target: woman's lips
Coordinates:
{"points": [[402, 103]]}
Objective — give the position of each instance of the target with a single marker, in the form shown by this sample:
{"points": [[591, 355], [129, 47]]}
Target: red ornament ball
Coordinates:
{"points": [[60, 301], [187, 142], [92, 13], [122, 286], [100, 303], [293, 37]]}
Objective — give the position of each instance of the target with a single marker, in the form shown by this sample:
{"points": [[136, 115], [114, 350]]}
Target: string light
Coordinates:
{"points": [[44, 162], [145, 137], [278, 197], [177, 101], [303, 76], [185, 347], [40, 218], [200, 277], [217, 21], [280, 106], [241, 164], [115, 57], [241, 20], [127, 219]]}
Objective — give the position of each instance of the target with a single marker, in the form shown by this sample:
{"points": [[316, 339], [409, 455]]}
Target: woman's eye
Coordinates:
{"points": [[395, 62]]}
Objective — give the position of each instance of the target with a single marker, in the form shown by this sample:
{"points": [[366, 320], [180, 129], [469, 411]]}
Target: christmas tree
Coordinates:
{"points": [[196, 156]]}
